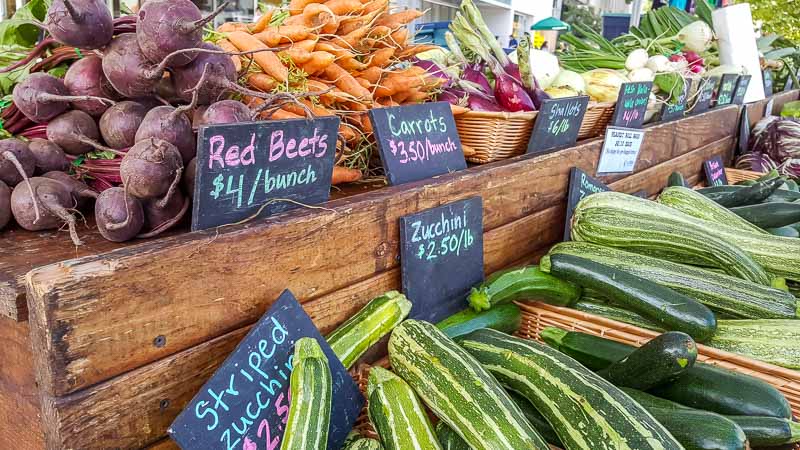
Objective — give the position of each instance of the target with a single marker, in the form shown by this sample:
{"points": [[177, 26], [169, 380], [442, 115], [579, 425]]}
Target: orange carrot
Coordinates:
{"points": [[379, 32], [366, 124], [376, 5], [347, 133], [397, 83], [351, 24], [327, 98], [387, 102], [227, 27], [296, 54], [346, 82], [417, 96], [320, 17], [296, 20], [281, 114], [415, 49], [351, 64], [345, 175], [372, 74], [261, 81], [458, 109], [318, 62], [269, 63], [262, 23], [352, 38], [297, 6], [345, 7], [315, 110], [399, 37], [308, 45], [273, 36], [364, 83], [334, 49], [228, 47], [381, 57], [399, 19], [402, 96], [355, 106]]}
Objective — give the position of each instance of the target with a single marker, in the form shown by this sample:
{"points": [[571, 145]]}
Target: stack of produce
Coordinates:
{"points": [[775, 144]]}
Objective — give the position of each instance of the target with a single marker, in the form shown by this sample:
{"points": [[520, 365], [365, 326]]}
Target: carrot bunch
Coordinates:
{"points": [[349, 54]]}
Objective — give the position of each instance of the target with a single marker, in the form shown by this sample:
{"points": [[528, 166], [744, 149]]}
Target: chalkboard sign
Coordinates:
{"points": [[715, 172], [726, 89], [632, 104], [557, 124], [705, 95], [768, 87], [580, 185], [244, 168], [741, 89], [441, 257], [675, 109], [620, 150], [743, 144], [245, 404], [789, 83], [417, 141]]}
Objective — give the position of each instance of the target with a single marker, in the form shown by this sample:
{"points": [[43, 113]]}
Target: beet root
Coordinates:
{"points": [[85, 77], [5, 205], [171, 125], [86, 24], [119, 216], [55, 201], [16, 161], [48, 156], [81, 193], [189, 175], [128, 70], [161, 216], [119, 124], [221, 76], [41, 97], [151, 169], [74, 131], [226, 111]]}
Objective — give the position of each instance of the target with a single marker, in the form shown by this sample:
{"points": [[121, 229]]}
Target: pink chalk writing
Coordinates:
{"points": [[279, 147], [233, 156]]}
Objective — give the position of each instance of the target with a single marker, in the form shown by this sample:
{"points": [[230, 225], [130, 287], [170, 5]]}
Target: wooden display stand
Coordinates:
{"points": [[119, 338]]}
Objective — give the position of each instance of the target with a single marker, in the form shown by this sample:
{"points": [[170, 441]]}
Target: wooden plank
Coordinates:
{"points": [[126, 408], [164, 444], [97, 317], [755, 110]]}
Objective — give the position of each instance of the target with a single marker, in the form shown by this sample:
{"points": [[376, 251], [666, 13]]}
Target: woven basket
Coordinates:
{"points": [[494, 135], [596, 119], [737, 175]]}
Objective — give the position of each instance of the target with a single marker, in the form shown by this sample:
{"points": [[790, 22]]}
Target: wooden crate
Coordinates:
{"points": [[121, 340]]}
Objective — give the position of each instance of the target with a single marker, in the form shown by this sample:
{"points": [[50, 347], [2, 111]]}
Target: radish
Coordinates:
{"points": [[165, 26], [188, 177], [161, 216], [151, 169], [226, 111], [81, 193], [119, 216], [75, 132], [55, 201], [85, 77], [42, 97], [119, 124], [5, 205], [86, 24], [48, 156]]}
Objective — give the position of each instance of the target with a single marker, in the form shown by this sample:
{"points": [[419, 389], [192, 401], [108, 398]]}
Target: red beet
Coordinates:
{"points": [[81, 193], [119, 216], [161, 216], [41, 97], [86, 24], [189, 175], [119, 124], [16, 161], [171, 125], [85, 77], [75, 132], [226, 111], [151, 169], [55, 201], [48, 156], [5, 205], [128, 70]]}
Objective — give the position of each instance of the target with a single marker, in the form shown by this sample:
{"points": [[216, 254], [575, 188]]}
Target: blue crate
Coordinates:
{"points": [[615, 25]]}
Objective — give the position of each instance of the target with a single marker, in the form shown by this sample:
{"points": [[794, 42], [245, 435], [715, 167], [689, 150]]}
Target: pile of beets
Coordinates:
{"points": [[140, 95]]}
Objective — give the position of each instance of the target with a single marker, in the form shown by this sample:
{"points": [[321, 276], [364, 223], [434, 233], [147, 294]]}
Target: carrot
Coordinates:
{"points": [[347, 133], [262, 22], [282, 114], [399, 37], [351, 64], [372, 74], [228, 47], [351, 24], [345, 7], [296, 20], [308, 45], [458, 109], [297, 55], [352, 38], [364, 83], [320, 17], [261, 81], [345, 175], [273, 36], [366, 124], [346, 82], [315, 110], [356, 106], [268, 61], [318, 62], [415, 49], [381, 57], [376, 5], [334, 49], [297, 6], [327, 98], [403, 96], [379, 32], [227, 27], [387, 102], [397, 83], [417, 96], [399, 19]]}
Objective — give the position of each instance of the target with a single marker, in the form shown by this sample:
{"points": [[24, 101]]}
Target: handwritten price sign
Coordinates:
{"points": [[558, 124], [449, 244]]}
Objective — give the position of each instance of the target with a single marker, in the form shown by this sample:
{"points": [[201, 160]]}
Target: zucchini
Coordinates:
{"points": [[354, 337], [790, 231], [703, 386], [449, 439], [458, 389], [730, 296], [676, 179], [770, 215], [697, 205], [746, 183], [642, 226], [783, 195], [363, 444], [536, 419], [658, 361], [586, 411], [694, 428], [310, 387], [768, 431], [506, 318], [772, 341], [669, 309], [615, 313], [352, 436], [743, 195], [524, 283], [397, 414]]}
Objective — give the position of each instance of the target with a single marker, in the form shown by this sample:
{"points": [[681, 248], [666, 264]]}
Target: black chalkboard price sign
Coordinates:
{"points": [[714, 169], [580, 185], [790, 82], [766, 75], [727, 86], [557, 124], [441, 257], [675, 109], [705, 94], [243, 169], [245, 405], [632, 104], [741, 89], [417, 141]]}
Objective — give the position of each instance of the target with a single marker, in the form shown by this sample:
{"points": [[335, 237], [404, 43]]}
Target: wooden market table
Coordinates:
{"points": [[103, 345]]}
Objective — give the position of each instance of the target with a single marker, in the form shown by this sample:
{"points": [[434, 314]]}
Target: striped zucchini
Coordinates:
{"points": [[310, 388], [397, 414], [505, 318], [523, 283], [773, 341], [459, 390], [615, 313], [352, 436], [536, 419], [619, 220], [722, 293], [586, 411], [363, 444], [368, 326], [698, 205], [449, 439]]}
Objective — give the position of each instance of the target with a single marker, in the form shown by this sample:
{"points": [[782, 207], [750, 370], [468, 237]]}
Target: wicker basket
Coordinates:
{"points": [[596, 119], [494, 135], [737, 175]]}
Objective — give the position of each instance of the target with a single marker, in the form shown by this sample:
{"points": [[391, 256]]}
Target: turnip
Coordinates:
{"points": [[119, 124], [55, 200], [42, 97], [226, 111], [75, 132], [5, 205], [48, 156], [165, 26], [151, 169], [86, 24], [161, 216], [85, 77], [189, 176], [119, 216], [81, 193]]}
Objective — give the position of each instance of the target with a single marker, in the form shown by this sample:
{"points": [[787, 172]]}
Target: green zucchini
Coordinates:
{"points": [[397, 414], [697, 205], [360, 332], [783, 195], [669, 309], [768, 431], [612, 312], [743, 195], [703, 386], [660, 360], [586, 411], [772, 174], [724, 294], [676, 179], [746, 183], [363, 444], [773, 341], [524, 283], [458, 389], [618, 220], [310, 387], [770, 215], [789, 231], [693, 428], [449, 439], [536, 419], [505, 318]]}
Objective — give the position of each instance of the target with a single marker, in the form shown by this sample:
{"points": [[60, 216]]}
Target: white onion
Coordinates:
{"points": [[569, 79], [658, 63], [696, 36], [636, 60], [641, 74]]}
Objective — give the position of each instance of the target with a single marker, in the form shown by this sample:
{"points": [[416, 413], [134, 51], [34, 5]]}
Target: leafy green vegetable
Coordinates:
{"points": [[19, 31]]}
